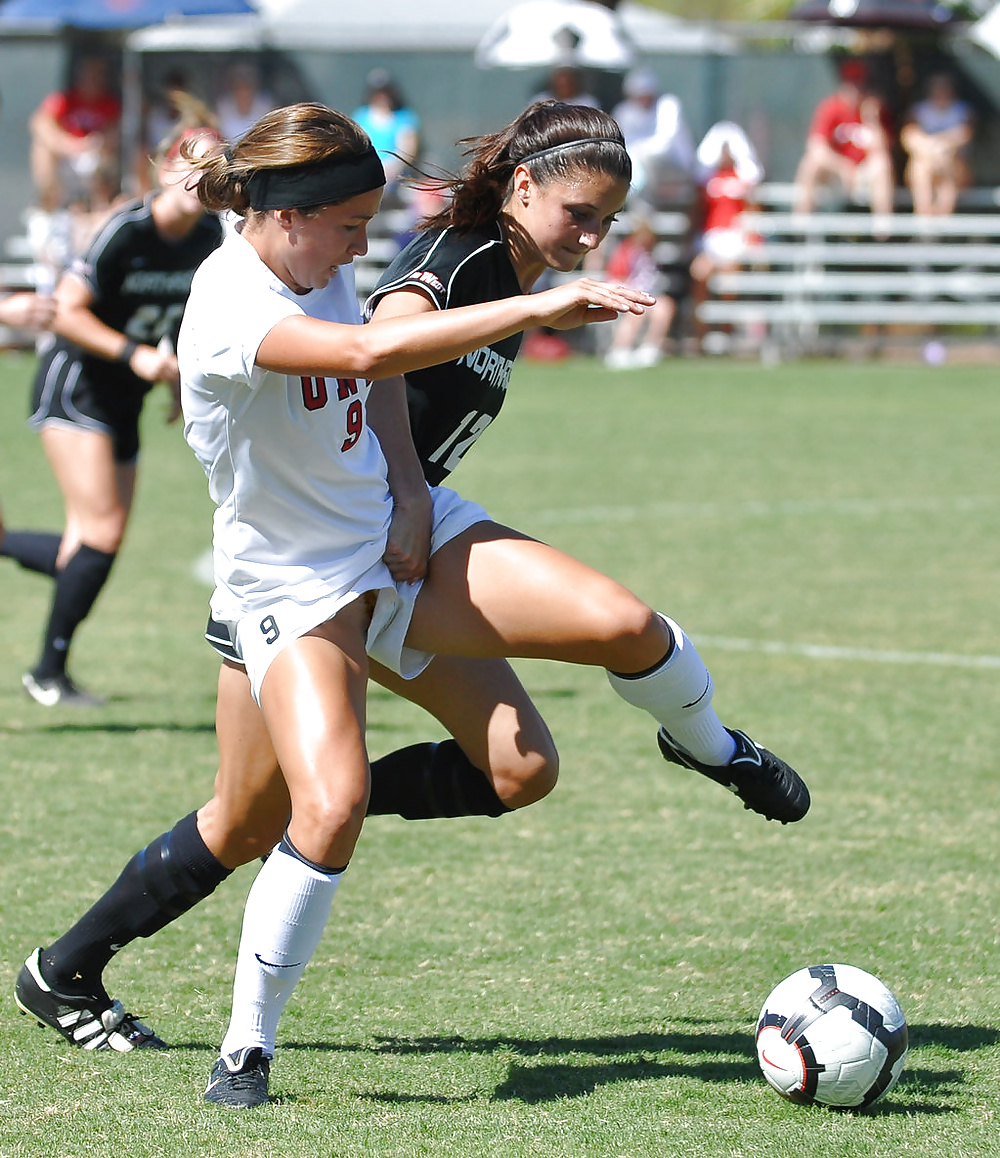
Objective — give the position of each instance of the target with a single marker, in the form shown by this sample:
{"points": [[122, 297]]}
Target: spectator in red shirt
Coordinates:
{"points": [[74, 139], [848, 142], [728, 172]]}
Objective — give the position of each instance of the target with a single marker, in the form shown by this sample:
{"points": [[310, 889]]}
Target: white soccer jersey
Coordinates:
{"points": [[298, 478]]}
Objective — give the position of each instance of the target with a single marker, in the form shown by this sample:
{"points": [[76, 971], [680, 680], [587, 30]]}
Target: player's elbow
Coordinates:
{"points": [[373, 356]]}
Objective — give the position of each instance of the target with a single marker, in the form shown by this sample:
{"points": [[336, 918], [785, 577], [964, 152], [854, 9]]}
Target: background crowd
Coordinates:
{"points": [[857, 150]]}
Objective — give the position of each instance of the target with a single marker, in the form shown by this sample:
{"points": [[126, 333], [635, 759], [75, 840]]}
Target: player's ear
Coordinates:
{"points": [[522, 184], [284, 217]]}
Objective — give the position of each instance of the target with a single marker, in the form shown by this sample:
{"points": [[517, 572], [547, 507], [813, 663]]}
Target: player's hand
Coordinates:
{"points": [[155, 365], [586, 300], [409, 543], [28, 311]]}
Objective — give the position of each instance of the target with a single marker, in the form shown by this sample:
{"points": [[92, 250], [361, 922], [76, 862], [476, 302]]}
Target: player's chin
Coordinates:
{"points": [[566, 260]]}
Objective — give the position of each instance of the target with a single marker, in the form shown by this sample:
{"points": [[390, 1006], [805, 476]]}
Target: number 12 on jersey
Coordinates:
{"points": [[459, 441]]}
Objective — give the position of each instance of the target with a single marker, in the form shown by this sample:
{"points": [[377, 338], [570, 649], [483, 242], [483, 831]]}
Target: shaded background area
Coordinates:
{"points": [[767, 77]]}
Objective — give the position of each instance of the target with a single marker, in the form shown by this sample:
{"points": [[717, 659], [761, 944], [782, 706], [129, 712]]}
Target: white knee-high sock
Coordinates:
{"points": [[284, 918], [678, 695]]}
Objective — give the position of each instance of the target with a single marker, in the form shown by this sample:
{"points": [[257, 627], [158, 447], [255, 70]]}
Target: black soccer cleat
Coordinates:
{"points": [[760, 779], [239, 1079], [59, 691], [88, 1022]]}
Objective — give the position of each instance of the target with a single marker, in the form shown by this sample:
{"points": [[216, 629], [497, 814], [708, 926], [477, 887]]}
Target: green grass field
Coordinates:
{"points": [[581, 978]]}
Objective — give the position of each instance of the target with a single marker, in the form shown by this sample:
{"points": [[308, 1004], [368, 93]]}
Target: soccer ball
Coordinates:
{"points": [[831, 1034]]}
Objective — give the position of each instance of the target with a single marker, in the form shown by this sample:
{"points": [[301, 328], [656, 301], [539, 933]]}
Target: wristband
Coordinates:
{"points": [[127, 351]]}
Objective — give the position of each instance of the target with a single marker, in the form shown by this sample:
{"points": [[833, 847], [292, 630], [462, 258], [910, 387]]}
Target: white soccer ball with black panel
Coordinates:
{"points": [[831, 1034]]}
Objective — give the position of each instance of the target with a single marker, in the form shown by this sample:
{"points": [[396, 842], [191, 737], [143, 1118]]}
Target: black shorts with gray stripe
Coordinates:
{"points": [[72, 389], [219, 638]]}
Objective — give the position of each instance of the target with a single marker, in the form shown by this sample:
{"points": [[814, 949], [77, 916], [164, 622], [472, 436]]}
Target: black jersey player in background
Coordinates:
{"points": [[570, 163], [119, 308]]}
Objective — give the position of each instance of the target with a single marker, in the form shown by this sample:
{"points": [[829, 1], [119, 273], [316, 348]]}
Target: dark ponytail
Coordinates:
{"points": [[478, 195]]}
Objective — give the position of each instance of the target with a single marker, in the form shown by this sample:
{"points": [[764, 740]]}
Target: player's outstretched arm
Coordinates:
{"points": [[383, 349]]}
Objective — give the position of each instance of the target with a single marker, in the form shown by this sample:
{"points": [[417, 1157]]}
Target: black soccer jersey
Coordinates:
{"points": [[453, 403], [139, 280]]}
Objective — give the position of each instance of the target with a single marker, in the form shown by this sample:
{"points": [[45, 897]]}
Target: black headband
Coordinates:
{"points": [[325, 182], [569, 145]]}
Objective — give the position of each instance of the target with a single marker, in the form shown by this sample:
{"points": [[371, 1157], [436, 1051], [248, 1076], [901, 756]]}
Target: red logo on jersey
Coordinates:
{"points": [[430, 279], [314, 395]]}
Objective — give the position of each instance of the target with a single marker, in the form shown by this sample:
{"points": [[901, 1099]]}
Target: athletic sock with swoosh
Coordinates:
{"points": [[284, 918], [677, 693]]}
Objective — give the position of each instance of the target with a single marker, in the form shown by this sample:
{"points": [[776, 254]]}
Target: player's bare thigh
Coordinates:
{"points": [[492, 591], [96, 491], [313, 700], [250, 807]]}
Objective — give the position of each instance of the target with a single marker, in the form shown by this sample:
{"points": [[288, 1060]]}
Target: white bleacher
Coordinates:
{"points": [[849, 269]]}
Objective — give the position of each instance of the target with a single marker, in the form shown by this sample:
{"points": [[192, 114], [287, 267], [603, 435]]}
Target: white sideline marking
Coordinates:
{"points": [[860, 654], [760, 508]]}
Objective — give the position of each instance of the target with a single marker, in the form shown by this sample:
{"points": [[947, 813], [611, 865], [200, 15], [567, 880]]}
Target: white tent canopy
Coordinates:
{"points": [[551, 32], [390, 25], [986, 32]]}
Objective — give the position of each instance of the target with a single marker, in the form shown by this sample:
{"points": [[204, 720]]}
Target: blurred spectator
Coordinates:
{"points": [[162, 113], [74, 140], [160, 116], [393, 128], [659, 141], [189, 114], [424, 201], [639, 339], [30, 313], [848, 141], [566, 84], [727, 171], [243, 102], [936, 136]]}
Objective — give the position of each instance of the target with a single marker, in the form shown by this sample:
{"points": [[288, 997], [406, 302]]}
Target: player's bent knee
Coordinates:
{"points": [[530, 779], [636, 636], [106, 534], [333, 816]]}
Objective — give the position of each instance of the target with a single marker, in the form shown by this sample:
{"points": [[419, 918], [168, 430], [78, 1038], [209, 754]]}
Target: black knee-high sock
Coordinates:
{"points": [[33, 550], [158, 884], [431, 780], [77, 586]]}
